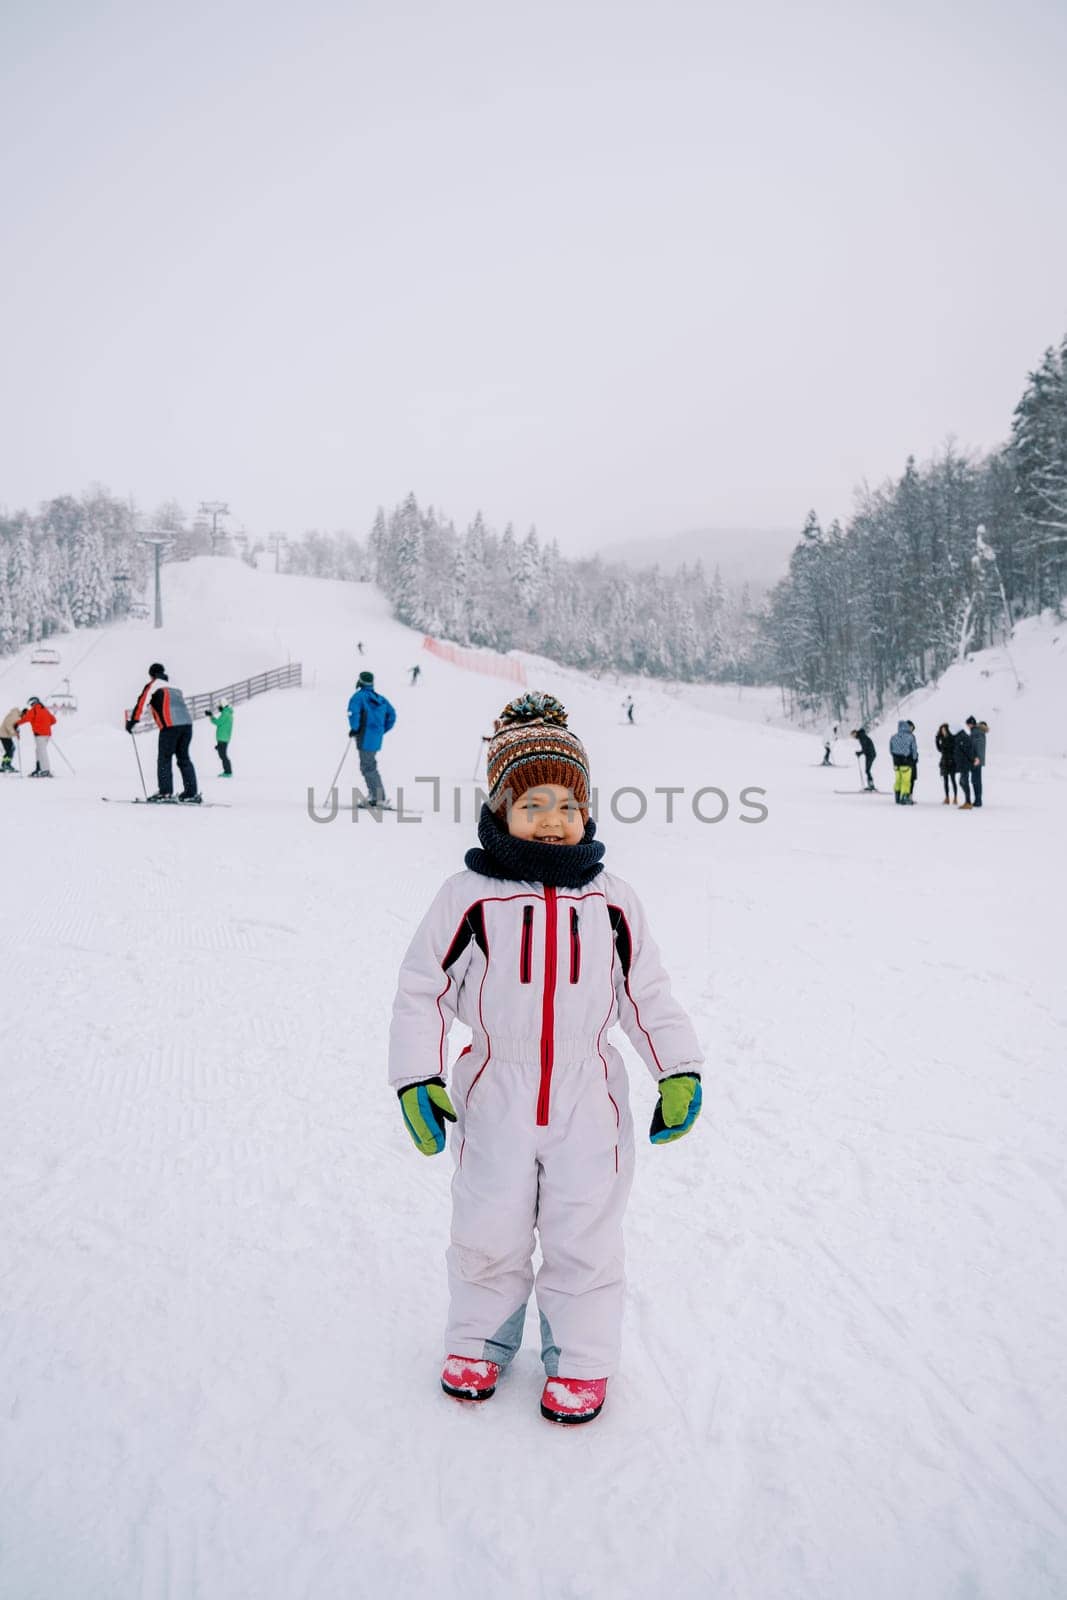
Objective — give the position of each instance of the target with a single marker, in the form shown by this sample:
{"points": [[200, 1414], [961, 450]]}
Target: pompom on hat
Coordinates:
{"points": [[532, 746]]}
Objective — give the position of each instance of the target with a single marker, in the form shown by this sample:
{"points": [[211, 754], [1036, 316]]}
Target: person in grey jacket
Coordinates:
{"points": [[977, 731], [905, 753]]}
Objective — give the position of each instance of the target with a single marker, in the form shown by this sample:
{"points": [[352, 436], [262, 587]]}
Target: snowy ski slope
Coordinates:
{"points": [[221, 1260]]}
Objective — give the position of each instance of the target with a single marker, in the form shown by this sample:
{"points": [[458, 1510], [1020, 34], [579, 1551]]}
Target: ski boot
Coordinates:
{"points": [[466, 1379], [190, 799], [573, 1399]]}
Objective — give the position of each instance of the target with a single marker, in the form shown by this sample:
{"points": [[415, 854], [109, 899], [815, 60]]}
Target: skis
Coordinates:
{"points": [[363, 805], [201, 805], [857, 791]]}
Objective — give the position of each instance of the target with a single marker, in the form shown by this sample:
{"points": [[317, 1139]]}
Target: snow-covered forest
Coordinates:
{"points": [[80, 561], [932, 565], [938, 563], [929, 567]]}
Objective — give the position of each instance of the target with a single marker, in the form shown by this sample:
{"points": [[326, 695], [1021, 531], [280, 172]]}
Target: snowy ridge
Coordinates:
{"points": [[222, 1260]]}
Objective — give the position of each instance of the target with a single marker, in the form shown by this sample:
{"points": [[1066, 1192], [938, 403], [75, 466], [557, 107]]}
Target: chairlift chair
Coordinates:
{"points": [[64, 699], [44, 656]]}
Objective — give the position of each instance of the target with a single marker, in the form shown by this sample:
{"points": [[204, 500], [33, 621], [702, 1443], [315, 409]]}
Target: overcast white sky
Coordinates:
{"points": [[606, 267]]}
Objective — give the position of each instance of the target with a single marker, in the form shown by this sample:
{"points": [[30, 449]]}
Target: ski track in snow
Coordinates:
{"points": [[221, 1262]]}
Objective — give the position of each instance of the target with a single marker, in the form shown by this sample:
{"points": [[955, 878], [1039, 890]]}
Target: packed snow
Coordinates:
{"points": [[222, 1259]]}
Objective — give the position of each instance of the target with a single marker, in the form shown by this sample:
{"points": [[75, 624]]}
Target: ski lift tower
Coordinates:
{"points": [[159, 543], [214, 509]]}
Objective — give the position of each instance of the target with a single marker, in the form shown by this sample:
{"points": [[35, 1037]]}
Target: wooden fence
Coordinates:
{"points": [[288, 677]]}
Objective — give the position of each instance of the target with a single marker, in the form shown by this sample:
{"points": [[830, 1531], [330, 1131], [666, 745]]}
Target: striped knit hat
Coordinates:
{"points": [[531, 746]]}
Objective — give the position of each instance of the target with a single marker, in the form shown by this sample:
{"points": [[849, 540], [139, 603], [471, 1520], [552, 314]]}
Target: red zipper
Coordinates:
{"points": [[548, 1008]]}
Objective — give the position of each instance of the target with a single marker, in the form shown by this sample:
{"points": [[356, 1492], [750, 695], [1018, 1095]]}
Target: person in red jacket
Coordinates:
{"points": [[41, 723]]}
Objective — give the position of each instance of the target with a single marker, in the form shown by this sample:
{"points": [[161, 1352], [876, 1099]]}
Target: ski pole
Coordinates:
{"points": [[859, 769], [140, 769], [340, 764], [477, 761], [64, 760]]}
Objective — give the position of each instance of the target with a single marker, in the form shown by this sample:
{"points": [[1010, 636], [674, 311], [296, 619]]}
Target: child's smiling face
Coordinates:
{"points": [[547, 815]]}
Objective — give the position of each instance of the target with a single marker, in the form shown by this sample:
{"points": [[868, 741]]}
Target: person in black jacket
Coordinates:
{"points": [[174, 721], [963, 750], [914, 763], [866, 750], [946, 757]]}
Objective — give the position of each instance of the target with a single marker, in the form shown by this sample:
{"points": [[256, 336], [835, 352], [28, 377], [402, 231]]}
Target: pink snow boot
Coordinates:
{"points": [[467, 1379], [573, 1399]]}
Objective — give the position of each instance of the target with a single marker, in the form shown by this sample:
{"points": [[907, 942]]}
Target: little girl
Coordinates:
{"points": [[539, 951]]}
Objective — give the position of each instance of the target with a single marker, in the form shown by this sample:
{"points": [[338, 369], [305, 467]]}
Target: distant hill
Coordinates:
{"points": [[757, 556]]}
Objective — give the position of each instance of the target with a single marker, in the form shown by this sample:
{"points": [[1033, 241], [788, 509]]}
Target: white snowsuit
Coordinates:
{"points": [[544, 1138]]}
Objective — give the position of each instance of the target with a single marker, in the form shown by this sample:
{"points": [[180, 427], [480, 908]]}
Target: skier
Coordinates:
{"points": [[828, 746], [943, 743], [175, 725], [222, 722], [963, 751], [370, 717], [8, 735], [628, 707], [41, 723], [522, 947], [978, 731], [416, 673], [905, 752], [866, 750]]}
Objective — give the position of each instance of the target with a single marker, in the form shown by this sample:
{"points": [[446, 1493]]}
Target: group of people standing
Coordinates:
{"points": [[961, 759], [40, 721]]}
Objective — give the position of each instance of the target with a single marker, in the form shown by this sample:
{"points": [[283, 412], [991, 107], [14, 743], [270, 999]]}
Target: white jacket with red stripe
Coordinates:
{"points": [[538, 974]]}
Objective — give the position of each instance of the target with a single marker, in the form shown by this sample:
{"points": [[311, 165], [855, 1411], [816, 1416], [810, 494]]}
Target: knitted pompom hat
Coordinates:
{"points": [[531, 746]]}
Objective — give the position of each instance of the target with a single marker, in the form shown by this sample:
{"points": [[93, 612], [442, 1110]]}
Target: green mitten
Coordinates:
{"points": [[426, 1108], [677, 1109]]}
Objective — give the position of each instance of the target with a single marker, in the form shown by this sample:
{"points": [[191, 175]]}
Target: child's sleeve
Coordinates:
{"points": [[656, 1025], [431, 975]]}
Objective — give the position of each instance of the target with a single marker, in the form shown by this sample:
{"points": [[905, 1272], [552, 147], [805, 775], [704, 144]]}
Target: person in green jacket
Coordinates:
{"points": [[223, 722]]}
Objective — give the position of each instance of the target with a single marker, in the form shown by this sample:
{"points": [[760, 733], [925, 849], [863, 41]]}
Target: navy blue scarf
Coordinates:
{"points": [[561, 866]]}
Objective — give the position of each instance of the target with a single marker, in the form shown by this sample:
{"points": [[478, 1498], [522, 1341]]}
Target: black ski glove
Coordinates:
{"points": [[130, 725]]}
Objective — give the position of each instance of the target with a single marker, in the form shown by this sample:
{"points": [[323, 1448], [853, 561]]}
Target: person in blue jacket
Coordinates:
{"points": [[370, 717]]}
